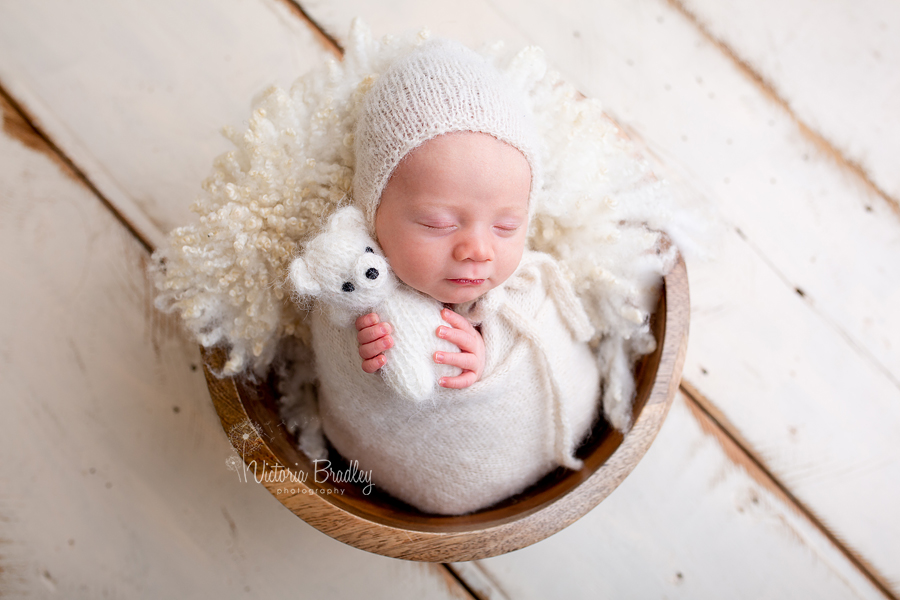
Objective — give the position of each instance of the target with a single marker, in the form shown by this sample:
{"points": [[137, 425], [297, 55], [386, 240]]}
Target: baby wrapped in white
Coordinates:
{"points": [[450, 451]]}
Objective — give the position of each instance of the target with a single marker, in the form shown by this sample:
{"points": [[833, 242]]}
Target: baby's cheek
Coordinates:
{"points": [[411, 267], [511, 257]]}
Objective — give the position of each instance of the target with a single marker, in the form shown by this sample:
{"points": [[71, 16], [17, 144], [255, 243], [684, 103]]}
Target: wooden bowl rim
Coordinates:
{"points": [[466, 537]]}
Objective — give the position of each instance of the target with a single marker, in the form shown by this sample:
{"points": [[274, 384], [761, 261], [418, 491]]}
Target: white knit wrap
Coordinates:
{"points": [[460, 451], [440, 87]]}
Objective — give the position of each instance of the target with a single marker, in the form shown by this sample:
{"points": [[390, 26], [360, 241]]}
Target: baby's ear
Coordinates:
{"points": [[347, 218], [303, 280]]}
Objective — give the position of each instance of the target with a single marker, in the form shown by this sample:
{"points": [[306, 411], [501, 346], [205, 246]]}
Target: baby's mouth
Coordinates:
{"points": [[467, 281]]}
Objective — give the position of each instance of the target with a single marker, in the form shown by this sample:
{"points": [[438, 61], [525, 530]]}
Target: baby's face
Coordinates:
{"points": [[454, 217]]}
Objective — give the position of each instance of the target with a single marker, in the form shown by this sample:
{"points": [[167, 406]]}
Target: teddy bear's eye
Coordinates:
{"points": [[368, 249], [347, 287]]}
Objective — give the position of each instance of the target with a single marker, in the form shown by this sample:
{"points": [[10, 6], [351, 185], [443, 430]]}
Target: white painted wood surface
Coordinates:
{"points": [[831, 62], [687, 523], [113, 481], [781, 367], [136, 92], [794, 374]]}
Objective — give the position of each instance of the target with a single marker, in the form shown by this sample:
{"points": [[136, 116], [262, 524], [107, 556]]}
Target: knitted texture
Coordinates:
{"points": [[344, 270], [463, 450], [440, 87]]}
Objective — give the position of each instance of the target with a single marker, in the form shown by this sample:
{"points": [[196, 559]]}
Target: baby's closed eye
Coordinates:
{"points": [[507, 228], [438, 225]]}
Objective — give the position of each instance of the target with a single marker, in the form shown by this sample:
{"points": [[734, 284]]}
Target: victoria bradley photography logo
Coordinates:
{"points": [[246, 437]]}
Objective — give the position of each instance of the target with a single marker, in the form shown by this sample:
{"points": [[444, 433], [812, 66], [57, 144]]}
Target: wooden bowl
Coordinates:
{"points": [[379, 523]]}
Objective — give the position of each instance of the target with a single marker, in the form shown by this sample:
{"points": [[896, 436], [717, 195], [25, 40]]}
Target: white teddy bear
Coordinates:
{"points": [[344, 270]]}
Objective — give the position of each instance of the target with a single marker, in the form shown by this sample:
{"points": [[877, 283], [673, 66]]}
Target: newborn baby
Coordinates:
{"points": [[446, 172]]}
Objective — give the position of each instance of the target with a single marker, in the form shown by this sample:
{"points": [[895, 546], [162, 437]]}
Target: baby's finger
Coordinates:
{"points": [[459, 382], [367, 321], [464, 360], [373, 364], [456, 320], [463, 339], [373, 349], [372, 333]]}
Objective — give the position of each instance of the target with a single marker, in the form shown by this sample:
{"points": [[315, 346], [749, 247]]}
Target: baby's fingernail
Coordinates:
{"points": [[442, 382], [440, 332], [439, 357]]}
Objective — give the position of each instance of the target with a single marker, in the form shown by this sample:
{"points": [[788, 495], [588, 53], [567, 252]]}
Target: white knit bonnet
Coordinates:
{"points": [[440, 87]]}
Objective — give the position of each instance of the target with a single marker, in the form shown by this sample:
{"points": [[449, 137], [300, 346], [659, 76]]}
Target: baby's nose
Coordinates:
{"points": [[474, 247]]}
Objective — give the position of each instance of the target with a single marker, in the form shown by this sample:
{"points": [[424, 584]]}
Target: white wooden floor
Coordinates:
{"points": [[776, 474]]}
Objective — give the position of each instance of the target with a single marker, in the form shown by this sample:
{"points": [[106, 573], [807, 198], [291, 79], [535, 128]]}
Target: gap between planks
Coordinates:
{"points": [[19, 124], [740, 452], [769, 90], [325, 38], [848, 338]]}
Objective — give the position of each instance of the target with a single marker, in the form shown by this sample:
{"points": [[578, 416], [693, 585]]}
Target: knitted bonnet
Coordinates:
{"points": [[440, 87]]}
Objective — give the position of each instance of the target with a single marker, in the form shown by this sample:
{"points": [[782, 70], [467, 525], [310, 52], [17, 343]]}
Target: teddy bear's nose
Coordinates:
{"points": [[372, 273]]}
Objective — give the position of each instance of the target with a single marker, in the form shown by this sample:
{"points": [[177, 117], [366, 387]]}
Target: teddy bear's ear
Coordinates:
{"points": [[303, 280], [347, 218]]}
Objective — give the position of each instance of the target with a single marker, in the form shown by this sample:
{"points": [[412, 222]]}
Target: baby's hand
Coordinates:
{"points": [[470, 357], [374, 338]]}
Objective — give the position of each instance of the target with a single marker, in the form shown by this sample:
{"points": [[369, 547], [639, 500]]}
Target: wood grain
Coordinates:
{"points": [[830, 64], [136, 94], [380, 524]]}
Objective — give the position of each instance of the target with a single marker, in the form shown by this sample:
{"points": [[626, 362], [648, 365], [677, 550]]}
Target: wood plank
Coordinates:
{"points": [[113, 480], [831, 63], [688, 523], [780, 363], [136, 94]]}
